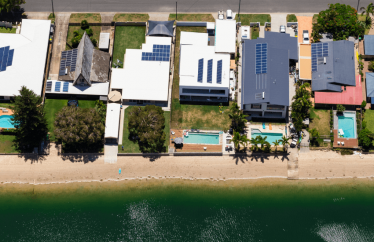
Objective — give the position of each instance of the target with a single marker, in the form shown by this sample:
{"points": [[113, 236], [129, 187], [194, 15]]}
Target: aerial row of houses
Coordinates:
{"points": [[206, 68]]}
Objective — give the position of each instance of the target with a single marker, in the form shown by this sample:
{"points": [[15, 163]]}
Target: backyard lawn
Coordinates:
{"points": [[369, 118], [7, 30], [131, 17], [193, 17], [245, 19], [255, 33], [6, 105], [95, 29], [6, 144], [127, 37], [291, 18], [52, 106], [320, 119], [90, 17], [132, 147], [194, 116]]}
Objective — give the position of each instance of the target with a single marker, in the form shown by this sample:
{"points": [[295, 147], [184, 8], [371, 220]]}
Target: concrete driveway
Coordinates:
{"points": [[278, 19]]}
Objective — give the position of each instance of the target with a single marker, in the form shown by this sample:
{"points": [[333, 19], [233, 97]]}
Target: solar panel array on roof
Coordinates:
{"points": [[68, 58], [319, 50], [159, 53], [57, 86], [219, 71], [210, 71], [261, 58], [6, 57], [49, 87], [66, 87], [200, 70]]}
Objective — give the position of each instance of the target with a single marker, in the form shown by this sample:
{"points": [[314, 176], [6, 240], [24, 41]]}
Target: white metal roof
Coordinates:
{"points": [[225, 36], [192, 38], [113, 111], [97, 88], [143, 80], [104, 41], [189, 63], [29, 59]]}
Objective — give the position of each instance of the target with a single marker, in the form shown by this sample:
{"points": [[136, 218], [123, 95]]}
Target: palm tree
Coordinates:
{"points": [[367, 11], [284, 142], [254, 143], [276, 143], [237, 116], [239, 139], [267, 147], [261, 140]]}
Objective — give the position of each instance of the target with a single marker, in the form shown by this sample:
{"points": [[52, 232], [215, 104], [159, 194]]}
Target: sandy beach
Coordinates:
{"points": [[66, 169]]}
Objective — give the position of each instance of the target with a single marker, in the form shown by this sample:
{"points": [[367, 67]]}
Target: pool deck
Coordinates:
{"points": [[348, 142], [275, 129], [194, 147], [10, 112]]}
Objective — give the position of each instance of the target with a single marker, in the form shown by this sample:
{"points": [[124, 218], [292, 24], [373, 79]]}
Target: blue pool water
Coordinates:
{"points": [[201, 138], [271, 137], [5, 121], [347, 124]]}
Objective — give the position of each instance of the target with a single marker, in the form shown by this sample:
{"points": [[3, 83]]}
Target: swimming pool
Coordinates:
{"points": [[202, 138], [5, 121], [346, 122], [271, 137]]}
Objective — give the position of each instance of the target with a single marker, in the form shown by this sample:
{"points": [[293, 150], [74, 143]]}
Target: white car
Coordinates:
{"points": [[282, 29], [220, 15], [293, 143], [305, 36], [229, 14]]}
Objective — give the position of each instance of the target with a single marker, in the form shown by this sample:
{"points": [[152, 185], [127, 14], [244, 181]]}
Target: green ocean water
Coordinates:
{"points": [[189, 213]]}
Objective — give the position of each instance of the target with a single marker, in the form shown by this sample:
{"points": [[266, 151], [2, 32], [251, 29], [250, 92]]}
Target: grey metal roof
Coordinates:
{"points": [[164, 28], [84, 59], [369, 84], [275, 83], [339, 68], [369, 44]]}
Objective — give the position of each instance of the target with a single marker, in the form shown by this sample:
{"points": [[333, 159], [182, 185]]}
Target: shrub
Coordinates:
{"points": [[364, 138], [340, 108], [84, 24], [89, 32], [371, 66], [75, 41], [363, 105], [346, 152], [94, 41], [76, 33]]}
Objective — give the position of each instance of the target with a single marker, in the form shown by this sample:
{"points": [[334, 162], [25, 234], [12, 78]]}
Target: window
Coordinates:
{"points": [[220, 92], [196, 91], [275, 107], [1, 97], [255, 106]]}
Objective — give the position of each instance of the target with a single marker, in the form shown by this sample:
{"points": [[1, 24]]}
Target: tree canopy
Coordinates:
{"points": [[146, 126], [365, 138], [340, 20], [238, 119], [300, 106], [79, 128], [29, 120], [9, 5]]}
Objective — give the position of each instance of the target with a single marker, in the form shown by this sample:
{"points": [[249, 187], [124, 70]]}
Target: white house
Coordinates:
{"points": [[23, 58], [144, 78], [203, 73], [112, 121]]}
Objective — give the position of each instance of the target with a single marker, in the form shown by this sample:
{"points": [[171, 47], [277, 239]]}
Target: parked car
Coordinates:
{"points": [[228, 14], [305, 36], [245, 32], [220, 15], [282, 29], [73, 103], [293, 143]]}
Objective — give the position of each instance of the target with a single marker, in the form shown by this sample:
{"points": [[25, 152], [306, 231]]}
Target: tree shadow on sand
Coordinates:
{"points": [[265, 156], [242, 158], [33, 158], [152, 157], [80, 157]]}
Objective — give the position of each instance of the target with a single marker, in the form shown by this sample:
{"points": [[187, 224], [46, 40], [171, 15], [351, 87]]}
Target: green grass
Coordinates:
{"points": [[369, 118], [7, 30], [131, 17], [6, 105], [291, 18], [133, 147], [86, 103], [96, 34], [193, 17], [362, 18], [255, 33], [320, 120], [127, 37], [90, 17], [194, 116], [6, 144], [315, 17], [245, 19], [52, 17]]}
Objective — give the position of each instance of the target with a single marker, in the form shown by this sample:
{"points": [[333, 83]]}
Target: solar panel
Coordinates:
{"points": [[6, 57], [200, 70], [261, 58], [48, 87], [159, 53], [319, 50], [66, 87], [219, 71], [57, 86], [210, 71]]}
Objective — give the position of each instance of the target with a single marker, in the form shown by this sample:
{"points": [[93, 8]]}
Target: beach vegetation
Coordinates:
{"points": [[79, 129], [238, 119], [29, 119], [365, 138], [239, 139], [340, 108], [10, 5], [146, 126], [340, 20], [301, 106]]}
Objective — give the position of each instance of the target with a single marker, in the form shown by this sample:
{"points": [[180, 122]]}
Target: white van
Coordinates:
{"points": [[228, 14]]}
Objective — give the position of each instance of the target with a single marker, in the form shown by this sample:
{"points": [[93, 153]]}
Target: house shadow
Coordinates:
{"points": [[80, 157]]}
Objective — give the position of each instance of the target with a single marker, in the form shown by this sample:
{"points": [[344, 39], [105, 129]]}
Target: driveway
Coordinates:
{"points": [[278, 19], [59, 42], [304, 23]]}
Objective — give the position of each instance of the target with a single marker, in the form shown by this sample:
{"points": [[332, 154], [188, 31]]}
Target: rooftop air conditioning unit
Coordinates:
{"points": [[324, 60], [263, 95]]}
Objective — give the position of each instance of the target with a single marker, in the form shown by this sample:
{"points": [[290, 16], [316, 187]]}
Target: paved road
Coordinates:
{"points": [[247, 6]]}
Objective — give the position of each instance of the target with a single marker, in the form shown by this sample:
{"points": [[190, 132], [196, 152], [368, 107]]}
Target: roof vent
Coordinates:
{"points": [[263, 95], [324, 60], [258, 96]]}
